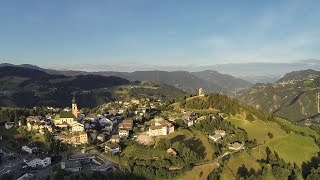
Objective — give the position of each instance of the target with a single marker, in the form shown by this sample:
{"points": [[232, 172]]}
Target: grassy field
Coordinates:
{"points": [[259, 129], [292, 148], [205, 142], [308, 131], [199, 172], [195, 139], [136, 151], [236, 161]]}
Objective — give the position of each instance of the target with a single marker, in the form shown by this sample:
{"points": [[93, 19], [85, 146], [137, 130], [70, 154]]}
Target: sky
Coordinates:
{"points": [[78, 34]]}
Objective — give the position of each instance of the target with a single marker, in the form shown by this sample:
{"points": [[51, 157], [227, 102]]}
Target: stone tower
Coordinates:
{"points": [[74, 107], [201, 92]]}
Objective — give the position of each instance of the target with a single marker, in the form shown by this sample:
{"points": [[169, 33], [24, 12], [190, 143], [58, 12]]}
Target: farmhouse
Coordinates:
{"points": [[112, 148], [160, 127], [236, 146], [214, 137], [29, 148], [220, 132], [42, 160], [123, 133], [77, 127], [75, 138], [126, 124], [9, 125]]}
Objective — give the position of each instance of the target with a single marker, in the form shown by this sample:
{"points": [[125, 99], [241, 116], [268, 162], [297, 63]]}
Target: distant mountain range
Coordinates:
{"points": [[209, 80], [253, 72], [293, 96], [23, 87], [28, 86]]}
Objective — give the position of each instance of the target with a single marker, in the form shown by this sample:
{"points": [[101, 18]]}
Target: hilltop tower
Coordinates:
{"points": [[201, 92], [74, 107]]}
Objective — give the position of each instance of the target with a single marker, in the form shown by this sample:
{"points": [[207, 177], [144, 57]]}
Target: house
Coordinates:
{"points": [[73, 166], [77, 127], [115, 139], [172, 151], [123, 133], [42, 160], [9, 125], [202, 118], [214, 137], [74, 138], [188, 122], [29, 148], [220, 132], [101, 137], [160, 127], [236, 146], [112, 148], [105, 122], [126, 124]]}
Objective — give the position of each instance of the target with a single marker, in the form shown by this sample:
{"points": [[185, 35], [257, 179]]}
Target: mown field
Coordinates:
{"points": [[199, 172], [236, 161], [300, 128], [259, 129], [293, 148]]}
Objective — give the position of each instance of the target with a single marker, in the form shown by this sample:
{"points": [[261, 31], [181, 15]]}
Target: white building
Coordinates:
{"points": [[188, 122], [29, 149], [220, 132], [236, 146], [43, 161], [160, 127], [112, 148], [123, 133], [77, 127], [215, 137], [9, 125]]}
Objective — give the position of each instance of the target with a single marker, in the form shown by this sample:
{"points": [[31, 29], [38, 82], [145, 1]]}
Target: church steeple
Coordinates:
{"points": [[74, 107], [74, 100]]}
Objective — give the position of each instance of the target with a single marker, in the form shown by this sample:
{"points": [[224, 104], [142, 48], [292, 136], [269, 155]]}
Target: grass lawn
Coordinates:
{"points": [[199, 172], [308, 131], [259, 129], [238, 160], [292, 148], [136, 151], [194, 139], [206, 143]]}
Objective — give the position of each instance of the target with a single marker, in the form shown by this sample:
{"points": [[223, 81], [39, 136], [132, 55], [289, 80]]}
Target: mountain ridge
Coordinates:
{"points": [[209, 80]]}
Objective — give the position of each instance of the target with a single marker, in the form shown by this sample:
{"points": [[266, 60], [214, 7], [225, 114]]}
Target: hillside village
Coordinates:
{"points": [[70, 140], [106, 129]]}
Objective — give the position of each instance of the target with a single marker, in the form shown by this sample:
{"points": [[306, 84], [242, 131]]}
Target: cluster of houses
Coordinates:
{"points": [[220, 134]]}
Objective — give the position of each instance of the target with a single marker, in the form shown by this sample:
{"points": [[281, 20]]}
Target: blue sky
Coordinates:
{"points": [[75, 34]]}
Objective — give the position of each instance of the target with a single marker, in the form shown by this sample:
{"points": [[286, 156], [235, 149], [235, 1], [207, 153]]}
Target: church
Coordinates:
{"points": [[67, 118]]}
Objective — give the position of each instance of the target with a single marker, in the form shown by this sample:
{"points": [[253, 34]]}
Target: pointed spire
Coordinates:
{"points": [[74, 99]]}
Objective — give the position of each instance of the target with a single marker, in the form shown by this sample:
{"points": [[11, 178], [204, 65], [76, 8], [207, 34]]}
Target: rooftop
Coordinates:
{"points": [[65, 114]]}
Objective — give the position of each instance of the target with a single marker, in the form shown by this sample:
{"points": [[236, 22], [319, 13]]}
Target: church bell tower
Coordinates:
{"points": [[74, 107]]}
